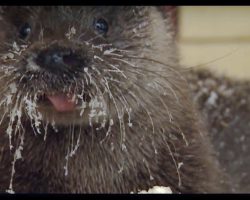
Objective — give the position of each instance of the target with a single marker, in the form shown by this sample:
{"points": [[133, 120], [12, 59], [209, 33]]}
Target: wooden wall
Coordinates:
{"points": [[216, 37]]}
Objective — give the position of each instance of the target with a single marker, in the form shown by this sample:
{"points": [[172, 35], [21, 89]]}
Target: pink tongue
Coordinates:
{"points": [[62, 103]]}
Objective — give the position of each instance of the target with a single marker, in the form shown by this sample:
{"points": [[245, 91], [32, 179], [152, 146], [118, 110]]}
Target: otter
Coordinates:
{"points": [[93, 100]]}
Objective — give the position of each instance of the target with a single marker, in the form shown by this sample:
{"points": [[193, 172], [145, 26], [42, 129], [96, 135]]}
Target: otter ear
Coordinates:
{"points": [[171, 12]]}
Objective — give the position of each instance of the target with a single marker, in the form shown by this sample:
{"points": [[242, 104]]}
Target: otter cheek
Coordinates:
{"points": [[62, 103]]}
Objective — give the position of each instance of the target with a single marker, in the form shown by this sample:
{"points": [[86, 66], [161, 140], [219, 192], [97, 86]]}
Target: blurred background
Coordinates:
{"points": [[216, 37]]}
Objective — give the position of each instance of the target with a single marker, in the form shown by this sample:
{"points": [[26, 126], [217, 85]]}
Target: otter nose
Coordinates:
{"points": [[48, 58], [54, 58], [57, 59]]}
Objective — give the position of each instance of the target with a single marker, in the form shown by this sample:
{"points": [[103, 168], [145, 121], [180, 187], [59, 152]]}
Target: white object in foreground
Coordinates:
{"points": [[157, 190]]}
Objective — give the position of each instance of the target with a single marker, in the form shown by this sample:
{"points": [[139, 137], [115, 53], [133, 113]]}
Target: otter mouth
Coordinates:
{"points": [[60, 102]]}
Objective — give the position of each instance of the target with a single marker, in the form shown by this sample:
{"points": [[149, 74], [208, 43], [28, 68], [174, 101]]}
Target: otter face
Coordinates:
{"points": [[80, 64]]}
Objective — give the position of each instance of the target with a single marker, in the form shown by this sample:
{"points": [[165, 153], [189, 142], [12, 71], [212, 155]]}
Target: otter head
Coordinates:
{"points": [[83, 65]]}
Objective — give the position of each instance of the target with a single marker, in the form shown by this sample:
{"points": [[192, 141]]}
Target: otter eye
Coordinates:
{"points": [[24, 31], [101, 26]]}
